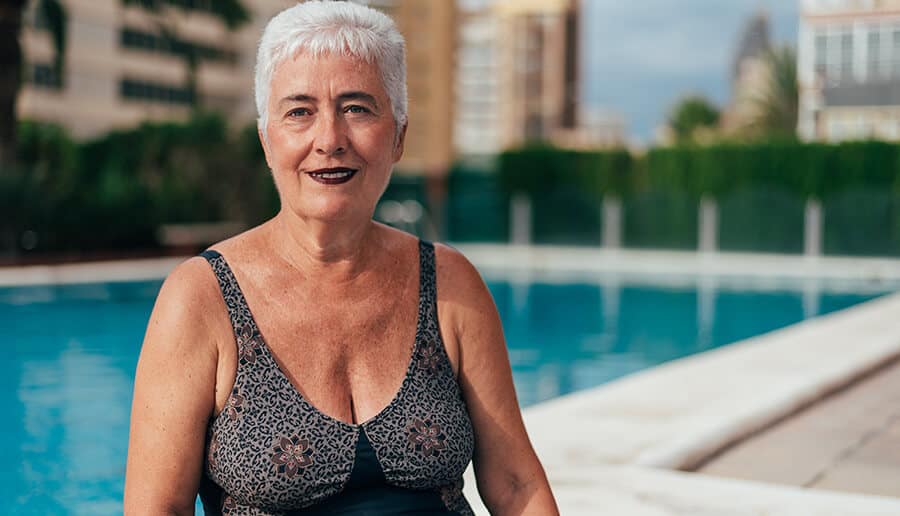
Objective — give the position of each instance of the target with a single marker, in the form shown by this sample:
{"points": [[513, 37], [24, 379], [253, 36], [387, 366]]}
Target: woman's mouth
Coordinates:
{"points": [[332, 176]]}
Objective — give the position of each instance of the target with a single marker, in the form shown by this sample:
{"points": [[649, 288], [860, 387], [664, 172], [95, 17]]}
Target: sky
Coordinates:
{"points": [[640, 57]]}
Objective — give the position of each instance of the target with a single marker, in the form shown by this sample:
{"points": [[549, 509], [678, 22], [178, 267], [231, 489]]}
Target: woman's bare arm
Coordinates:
{"points": [[510, 478], [174, 395]]}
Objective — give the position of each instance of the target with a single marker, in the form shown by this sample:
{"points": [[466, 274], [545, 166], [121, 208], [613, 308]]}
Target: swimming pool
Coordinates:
{"points": [[66, 386]]}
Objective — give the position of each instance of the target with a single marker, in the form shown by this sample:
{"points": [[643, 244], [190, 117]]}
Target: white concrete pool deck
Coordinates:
{"points": [[611, 450]]}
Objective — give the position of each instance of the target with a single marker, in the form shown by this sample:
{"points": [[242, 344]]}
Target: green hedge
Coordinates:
{"points": [[761, 189], [115, 191], [540, 169], [803, 169]]}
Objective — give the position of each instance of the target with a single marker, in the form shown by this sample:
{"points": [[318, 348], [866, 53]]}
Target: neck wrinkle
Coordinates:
{"points": [[340, 251]]}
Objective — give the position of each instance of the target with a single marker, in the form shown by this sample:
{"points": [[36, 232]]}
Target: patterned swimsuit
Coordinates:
{"points": [[271, 452]]}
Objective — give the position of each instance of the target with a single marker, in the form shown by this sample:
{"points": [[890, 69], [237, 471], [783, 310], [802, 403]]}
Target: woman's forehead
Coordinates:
{"points": [[328, 71]]}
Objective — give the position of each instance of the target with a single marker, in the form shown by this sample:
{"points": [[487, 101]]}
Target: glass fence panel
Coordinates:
{"points": [[660, 219], [761, 220], [566, 216], [477, 209], [862, 222]]}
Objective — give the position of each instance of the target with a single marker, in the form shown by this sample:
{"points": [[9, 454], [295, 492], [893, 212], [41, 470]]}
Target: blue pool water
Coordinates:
{"points": [[66, 385]]}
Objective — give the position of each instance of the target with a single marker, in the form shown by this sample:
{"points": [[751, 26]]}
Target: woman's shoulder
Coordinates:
{"points": [[194, 285], [453, 265], [460, 285], [240, 246], [190, 287]]}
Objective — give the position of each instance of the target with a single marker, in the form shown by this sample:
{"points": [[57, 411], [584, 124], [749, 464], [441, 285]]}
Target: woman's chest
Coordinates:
{"points": [[348, 363]]}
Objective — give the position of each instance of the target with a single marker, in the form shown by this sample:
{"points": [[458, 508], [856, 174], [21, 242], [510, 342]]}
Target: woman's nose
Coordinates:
{"points": [[331, 135]]}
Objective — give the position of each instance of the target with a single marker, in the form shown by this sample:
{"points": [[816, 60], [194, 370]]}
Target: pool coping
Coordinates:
{"points": [[90, 272], [620, 441], [546, 263]]}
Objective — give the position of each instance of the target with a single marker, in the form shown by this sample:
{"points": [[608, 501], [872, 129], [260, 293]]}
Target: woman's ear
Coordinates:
{"points": [[398, 144]]}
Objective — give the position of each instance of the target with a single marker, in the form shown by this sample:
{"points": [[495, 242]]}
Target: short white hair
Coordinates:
{"points": [[322, 28]]}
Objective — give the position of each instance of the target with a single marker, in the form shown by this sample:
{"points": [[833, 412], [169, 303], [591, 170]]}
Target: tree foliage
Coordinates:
{"points": [[777, 104], [691, 114], [53, 15], [56, 19], [115, 191]]}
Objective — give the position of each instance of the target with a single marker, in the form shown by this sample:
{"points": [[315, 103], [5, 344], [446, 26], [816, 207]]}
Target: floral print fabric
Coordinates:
{"points": [[270, 451]]}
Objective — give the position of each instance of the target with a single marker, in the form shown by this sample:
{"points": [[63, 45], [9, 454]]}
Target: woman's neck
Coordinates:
{"points": [[333, 251]]}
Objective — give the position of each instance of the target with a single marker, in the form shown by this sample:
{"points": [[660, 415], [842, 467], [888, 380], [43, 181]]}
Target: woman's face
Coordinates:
{"points": [[332, 139]]}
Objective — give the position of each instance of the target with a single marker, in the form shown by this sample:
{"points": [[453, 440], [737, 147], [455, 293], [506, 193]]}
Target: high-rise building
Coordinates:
{"points": [[848, 69], [539, 69], [120, 70], [477, 117], [517, 74]]}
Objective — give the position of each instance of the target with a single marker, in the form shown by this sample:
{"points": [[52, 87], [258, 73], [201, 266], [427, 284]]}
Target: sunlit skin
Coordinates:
{"points": [[323, 113]]}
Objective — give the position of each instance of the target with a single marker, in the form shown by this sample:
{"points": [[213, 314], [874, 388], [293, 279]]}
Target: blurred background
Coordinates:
{"points": [[127, 126]]}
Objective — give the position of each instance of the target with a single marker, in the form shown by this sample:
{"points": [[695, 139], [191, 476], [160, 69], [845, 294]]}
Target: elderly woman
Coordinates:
{"points": [[323, 363]]}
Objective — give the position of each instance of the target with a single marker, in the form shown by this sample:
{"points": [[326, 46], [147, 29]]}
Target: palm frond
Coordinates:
{"points": [[55, 15]]}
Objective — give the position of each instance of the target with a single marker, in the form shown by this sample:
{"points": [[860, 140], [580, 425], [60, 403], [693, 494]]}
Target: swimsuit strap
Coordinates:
{"points": [[238, 310], [427, 290]]}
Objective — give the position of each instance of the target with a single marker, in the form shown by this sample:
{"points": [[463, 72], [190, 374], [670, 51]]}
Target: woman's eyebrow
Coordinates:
{"points": [[343, 97], [358, 95], [297, 97]]}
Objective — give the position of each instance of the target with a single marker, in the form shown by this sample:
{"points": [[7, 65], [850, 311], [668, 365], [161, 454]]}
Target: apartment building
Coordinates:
{"points": [[517, 74], [848, 69], [120, 70], [538, 69], [477, 128]]}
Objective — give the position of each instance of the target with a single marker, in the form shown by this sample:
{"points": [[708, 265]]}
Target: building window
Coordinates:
{"points": [[196, 5], [834, 54], [188, 5], [874, 54], [534, 127], [132, 89], [147, 41], [821, 57], [45, 76], [895, 53], [846, 62]]}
